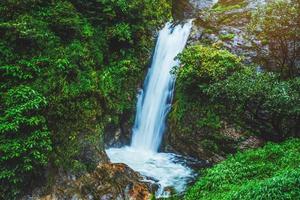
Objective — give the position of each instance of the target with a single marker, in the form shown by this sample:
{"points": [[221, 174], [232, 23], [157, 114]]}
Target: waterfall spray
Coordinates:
{"points": [[153, 105]]}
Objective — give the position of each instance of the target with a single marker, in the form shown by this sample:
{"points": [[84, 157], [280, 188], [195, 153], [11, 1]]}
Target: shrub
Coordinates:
{"points": [[271, 172], [193, 117], [276, 26], [260, 103], [74, 55], [201, 66], [24, 139]]}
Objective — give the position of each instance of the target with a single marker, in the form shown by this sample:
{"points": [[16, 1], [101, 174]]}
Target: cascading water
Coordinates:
{"points": [[155, 100], [153, 105]]}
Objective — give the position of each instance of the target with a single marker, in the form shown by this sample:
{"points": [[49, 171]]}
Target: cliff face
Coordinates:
{"points": [[222, 24], [186, 9], [225, 25]]}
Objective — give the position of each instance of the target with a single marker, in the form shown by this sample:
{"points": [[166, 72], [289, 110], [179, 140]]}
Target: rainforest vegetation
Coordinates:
{"points": [[68, 69], [214, 86], [70, 72]]}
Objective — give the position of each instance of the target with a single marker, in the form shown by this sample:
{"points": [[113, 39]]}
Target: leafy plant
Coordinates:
{"points": [[276, 26], [61, 65], [193, 117], [271, 172], [24, 139], [260, 103]]}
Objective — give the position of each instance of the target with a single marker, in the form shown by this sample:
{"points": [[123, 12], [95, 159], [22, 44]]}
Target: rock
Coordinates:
{"points": [[107, 182], [120, 135], [206, 147], [113, 138], [181, 9], [251, 143], [187, 9], [193, 148], [230, 19], [114, 180], [90, 155], [168, 191], [202, 4]]}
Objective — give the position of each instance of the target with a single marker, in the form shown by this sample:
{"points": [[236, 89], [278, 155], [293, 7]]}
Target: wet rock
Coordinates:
{"points": [[181, 9], [191, 162], [116, 180], [195, 149], [113, 138], [168, 191], [107, 182], [119, 135], [113, 181], [117, 138]]}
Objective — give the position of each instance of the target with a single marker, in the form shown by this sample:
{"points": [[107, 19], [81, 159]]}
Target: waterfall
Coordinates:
{"points": [[153, 105], [154, 101]]}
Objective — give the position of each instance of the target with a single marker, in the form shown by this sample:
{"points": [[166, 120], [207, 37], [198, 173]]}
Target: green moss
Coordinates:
{"points": [[208, 31], [221, 8], [209, 145], [228, 36], [225, 6]]}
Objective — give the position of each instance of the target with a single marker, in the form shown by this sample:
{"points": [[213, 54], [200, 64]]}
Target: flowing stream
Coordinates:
{"points": [[154, 103]]}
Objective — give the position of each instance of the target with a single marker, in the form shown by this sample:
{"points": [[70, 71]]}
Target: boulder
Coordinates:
{"points": [[107, 182]]}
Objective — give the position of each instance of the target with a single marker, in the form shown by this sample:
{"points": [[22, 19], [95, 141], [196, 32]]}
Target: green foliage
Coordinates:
{"points": [[114, 83], [219, 8], [259, 102], [212, 86], [285, 185], [201, 66], [193, 117], [24, 138], [277, 25], [228, 36], [271, 172], [121, 32], [68, 69]]}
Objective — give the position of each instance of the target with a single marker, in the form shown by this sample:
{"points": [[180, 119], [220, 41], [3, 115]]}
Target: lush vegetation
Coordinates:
{"points": [[260, 103], [277, 25], [216, 89], [193, 116], [67, 70], [271, 172], [70, 69]]}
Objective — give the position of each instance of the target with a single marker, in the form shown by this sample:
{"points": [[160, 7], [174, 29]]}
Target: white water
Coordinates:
{"points": [[153, 105], [155, 100]]}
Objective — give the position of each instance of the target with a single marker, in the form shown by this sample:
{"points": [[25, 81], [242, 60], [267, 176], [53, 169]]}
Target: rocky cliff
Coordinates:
{"points": [[222, 24]]}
